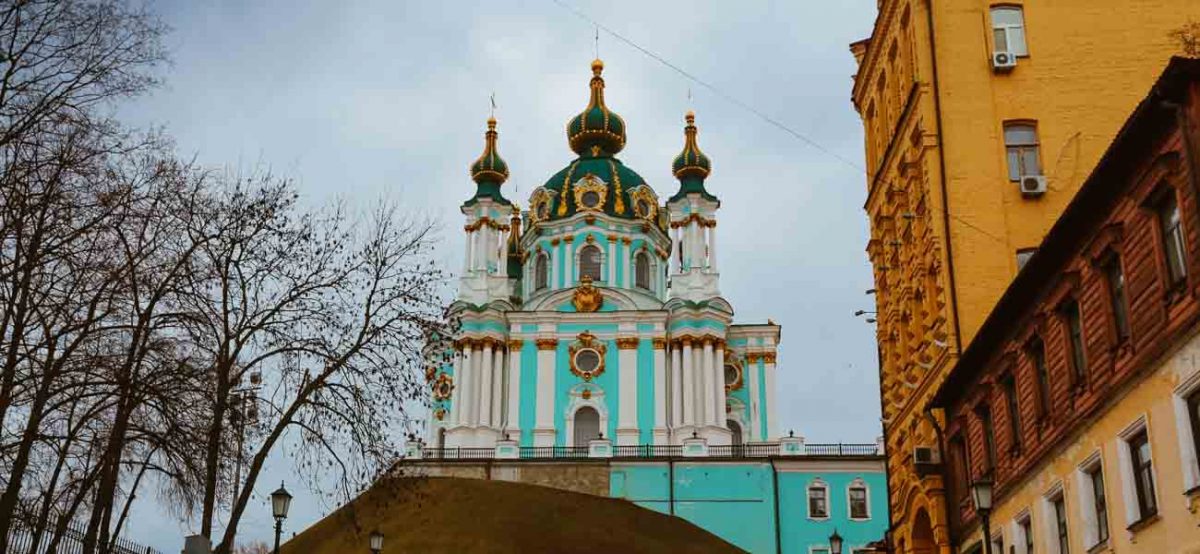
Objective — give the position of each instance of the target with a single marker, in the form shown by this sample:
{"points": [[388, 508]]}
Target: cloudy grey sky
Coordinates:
{"points": [[369, 99]]}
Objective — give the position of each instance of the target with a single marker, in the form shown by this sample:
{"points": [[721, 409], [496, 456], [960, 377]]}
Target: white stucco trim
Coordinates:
{"points": [[858, 482], [1087, 497], [1125, 468], [576, 402], [817, 483], [1049, 517], [1189, 460]]}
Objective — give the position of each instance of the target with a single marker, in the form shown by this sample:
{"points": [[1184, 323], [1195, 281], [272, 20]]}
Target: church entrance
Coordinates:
{"points": [[587, 425]]}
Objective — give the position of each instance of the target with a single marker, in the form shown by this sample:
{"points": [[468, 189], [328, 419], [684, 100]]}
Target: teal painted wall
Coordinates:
{"points": [[645, 392], [528, 414], [736, 501]]}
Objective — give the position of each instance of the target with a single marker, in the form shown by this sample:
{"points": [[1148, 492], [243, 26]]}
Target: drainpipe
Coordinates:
{"points": [[671, 485], [775, 486], [941, 443], [937, 108]]}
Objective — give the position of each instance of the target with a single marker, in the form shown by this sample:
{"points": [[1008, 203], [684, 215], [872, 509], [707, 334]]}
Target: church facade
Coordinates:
{"points": [[597, 312]]}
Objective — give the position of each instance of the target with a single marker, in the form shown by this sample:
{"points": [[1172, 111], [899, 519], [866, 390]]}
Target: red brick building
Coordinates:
{"points": [[1078, 395]]}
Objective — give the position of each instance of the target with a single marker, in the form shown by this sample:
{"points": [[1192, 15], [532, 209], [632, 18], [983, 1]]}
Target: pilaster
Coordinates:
{"points": [[661, 394], [627, 424], [544, 433]]}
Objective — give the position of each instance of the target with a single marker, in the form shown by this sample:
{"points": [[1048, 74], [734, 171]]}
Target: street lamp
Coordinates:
{"points": [[281, 500], [835, 543], [376, 542], [981, 495]]}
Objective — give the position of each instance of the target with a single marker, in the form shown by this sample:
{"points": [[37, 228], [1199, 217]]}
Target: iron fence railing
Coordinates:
{"points": [[25, 538], [746, 450]]}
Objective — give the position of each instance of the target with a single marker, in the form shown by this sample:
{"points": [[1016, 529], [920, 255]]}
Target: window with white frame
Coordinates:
{"points": [[1055, 517], [1187, 420], [998, 543], [1137, 473], [1022, 541], [589, 262], [857, 501], [818, 500], [641, 270], [541, 272], [1022, 150], [1008, 30], [1093, 501]]}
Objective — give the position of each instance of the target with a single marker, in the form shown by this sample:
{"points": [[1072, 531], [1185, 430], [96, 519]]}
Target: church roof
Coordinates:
{"points": [[489, 171], [691, 166]]}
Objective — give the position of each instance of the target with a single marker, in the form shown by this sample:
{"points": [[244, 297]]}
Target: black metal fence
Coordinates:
{"points": [[747, 450], [24, 539]]}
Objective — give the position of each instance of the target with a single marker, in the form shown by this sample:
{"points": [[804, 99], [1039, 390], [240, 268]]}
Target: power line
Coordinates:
{"points": [[770, 120]]}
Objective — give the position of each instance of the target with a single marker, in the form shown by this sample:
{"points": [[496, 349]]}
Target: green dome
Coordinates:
{"points": [[691, 166], [597, 130], [616, 200], [489, 171]]}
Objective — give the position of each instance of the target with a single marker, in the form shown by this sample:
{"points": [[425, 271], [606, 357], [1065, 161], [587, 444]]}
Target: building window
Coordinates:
{"points": [[989, 437], [1059, 510], [962, 472], [641, 270], [1021, 145], [818, 500], [1014, 412], [1008, 30], [1114, 278], [589, 262], [1023, 256], [1025, 526], [1167, 209], [998, 544], [857, 496], [541, 271], [1142, 465], [1074, 328], [1037, 356], [1193, 413], [1095, 504]]}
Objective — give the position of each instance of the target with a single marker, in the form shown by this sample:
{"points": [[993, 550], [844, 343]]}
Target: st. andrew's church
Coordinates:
{"points": [[598, 311]]}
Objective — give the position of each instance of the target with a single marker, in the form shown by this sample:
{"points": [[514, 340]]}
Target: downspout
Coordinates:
{"points": [[887, 467], [937, 107], [941, 443], [671, 485], [775, 486]]}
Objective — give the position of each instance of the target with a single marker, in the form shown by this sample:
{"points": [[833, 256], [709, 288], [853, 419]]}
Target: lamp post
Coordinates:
{"points": [[835, 543], [981, 495], [376, 542], [281, 500]]}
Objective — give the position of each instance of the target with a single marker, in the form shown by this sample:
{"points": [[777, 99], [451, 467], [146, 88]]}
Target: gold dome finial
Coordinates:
{"points": [[597, 67], [491, 123], [690, 117]]}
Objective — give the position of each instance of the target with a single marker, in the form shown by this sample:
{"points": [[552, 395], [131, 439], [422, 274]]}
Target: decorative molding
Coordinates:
{"points": [[659, 343], [515, 344], [753, 357], [587, 297], [627, 343], [568, 238], [769, 357], [547, 344], [626, 241], [612, 238], [587, 342]]}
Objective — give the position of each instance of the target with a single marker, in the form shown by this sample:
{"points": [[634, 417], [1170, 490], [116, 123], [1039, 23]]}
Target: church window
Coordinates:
{"points": [[587, 360], [1021, 146], [540, 272], [589, 262], [1008, 30], [641, 269], [591, 199], [818, 500]]}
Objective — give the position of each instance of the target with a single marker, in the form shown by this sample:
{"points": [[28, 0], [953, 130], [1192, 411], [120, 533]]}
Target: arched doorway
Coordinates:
{"points": [[922, 534], [587, 425]]}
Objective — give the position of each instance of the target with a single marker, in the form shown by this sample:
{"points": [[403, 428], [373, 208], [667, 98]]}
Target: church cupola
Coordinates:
{"points": [[489, 171], [597, 131], [691, 166]]}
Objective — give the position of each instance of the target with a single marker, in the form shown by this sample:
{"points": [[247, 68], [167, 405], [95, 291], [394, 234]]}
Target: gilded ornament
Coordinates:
{"points": [[733, 376], [586, 394], [547, 344], [568, 239], [590, 193], [430, 373], [586, 356], [753, 357], [587, 297], [612, 238], [515, 344], [659, 343], [439, 414], [645, 203], [443, 388], [618, 204], [627, 343], [769, 357]]}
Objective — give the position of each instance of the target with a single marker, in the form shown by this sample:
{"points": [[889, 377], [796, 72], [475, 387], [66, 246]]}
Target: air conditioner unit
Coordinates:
{"points": [[1003, 62], [926, 460], [1033, 185]]}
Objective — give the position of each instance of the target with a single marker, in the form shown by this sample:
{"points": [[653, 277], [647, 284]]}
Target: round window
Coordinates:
{"points": [[543, 210], [591, 199], [643, 208], [587, 360], [731, 374]]}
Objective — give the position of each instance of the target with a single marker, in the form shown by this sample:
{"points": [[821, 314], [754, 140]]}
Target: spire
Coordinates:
{"points": [[490, 171], [691, 166], [597, 131]]}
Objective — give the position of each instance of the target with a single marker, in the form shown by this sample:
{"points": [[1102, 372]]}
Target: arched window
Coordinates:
{"points": [[587, 425], [641, 270], [589, 262], [818, 500], [541, 270], [857, 500]]}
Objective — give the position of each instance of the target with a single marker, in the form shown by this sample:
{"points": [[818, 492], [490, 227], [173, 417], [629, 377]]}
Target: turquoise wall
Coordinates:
{"points": [[736, 501]]}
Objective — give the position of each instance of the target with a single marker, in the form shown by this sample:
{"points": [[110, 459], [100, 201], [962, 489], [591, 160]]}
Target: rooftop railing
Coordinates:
{"points": [[642, 451]]}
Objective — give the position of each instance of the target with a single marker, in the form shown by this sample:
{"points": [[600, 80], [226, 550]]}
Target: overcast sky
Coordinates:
{"points": [[364, 100]]}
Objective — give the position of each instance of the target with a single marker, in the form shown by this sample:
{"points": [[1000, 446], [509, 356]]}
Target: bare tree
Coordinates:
{"points": [[1188, 37]]}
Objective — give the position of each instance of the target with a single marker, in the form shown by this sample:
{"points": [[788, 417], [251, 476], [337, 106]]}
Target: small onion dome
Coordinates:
{"points": [[490, 167], [691, 162], [597, 130], [691, 166]]}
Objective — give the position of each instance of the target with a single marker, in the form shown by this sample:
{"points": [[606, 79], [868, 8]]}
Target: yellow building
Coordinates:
{"points": [[981, 120]]}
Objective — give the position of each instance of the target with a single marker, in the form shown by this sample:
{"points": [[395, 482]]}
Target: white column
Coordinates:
{"points": [[544, 431], [627, 424], [769, 377], [468, 384], [569, 248], [700, 417], [718, 373], [697, 245], [712, 247], [513, 427], [467, 261], [456, 401], [710, 387], [673, 257], [485, 385], [554, 255], [676, 386], [689, 384], [627, 255], [750, 374], [499, 372], [660, 391], [612, 260]]}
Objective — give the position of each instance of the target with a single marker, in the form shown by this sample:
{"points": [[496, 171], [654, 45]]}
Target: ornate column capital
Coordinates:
{"points": [[627, 343], [660, 343], [547, 344], [612, 238], [753, 357], [685, 340], [554, 241], [626, 241], [569, 239], [515, 344], [769, 357]]}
